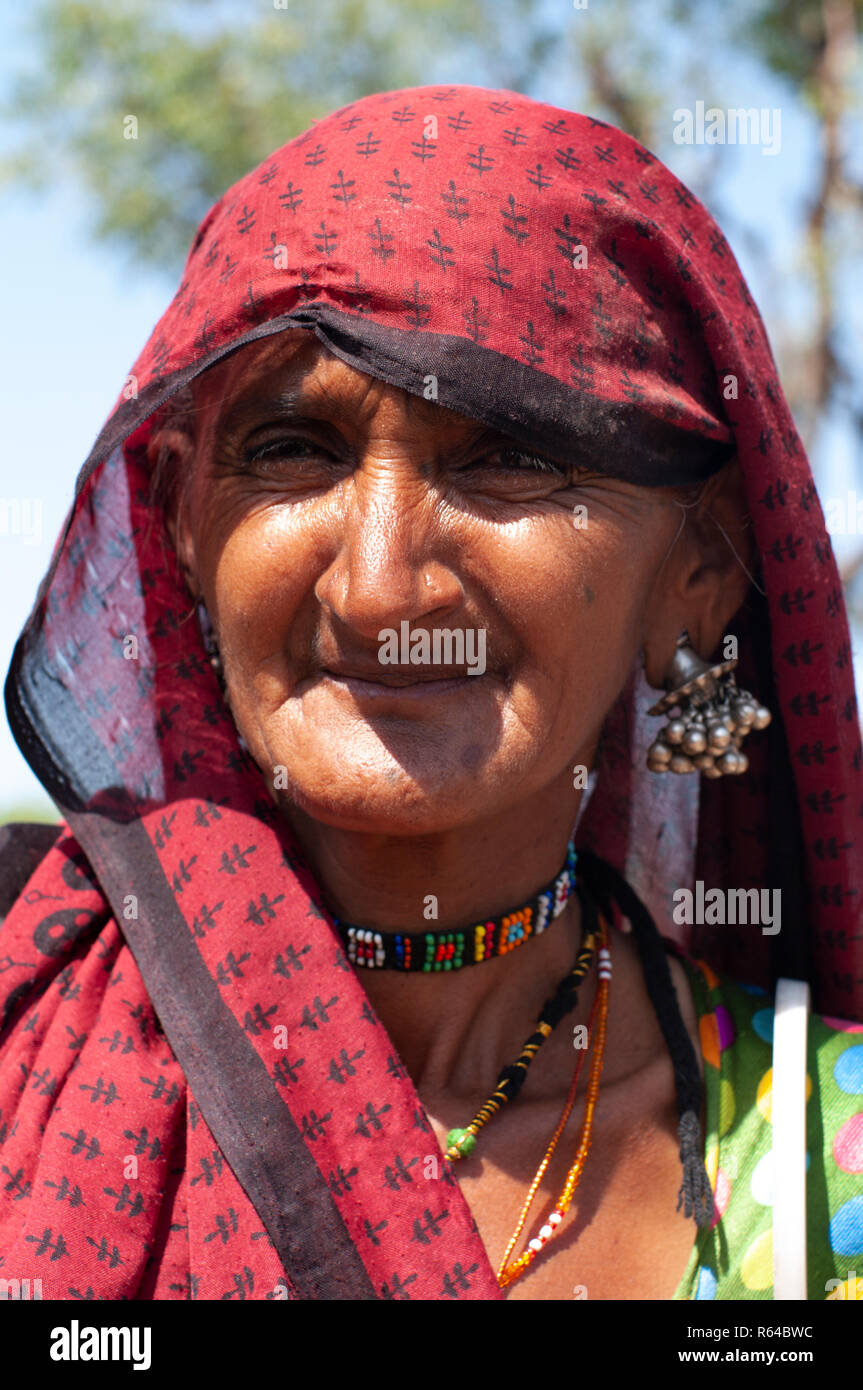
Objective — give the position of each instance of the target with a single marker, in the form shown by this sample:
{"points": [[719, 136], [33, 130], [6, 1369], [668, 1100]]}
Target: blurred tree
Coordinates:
{"points": [[811, 47], [214, 87], [43, 812], [216, 84], [812, 44]]}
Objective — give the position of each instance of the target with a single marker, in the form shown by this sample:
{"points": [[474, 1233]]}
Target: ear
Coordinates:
{"points": [[171, 456], [706, 576]]}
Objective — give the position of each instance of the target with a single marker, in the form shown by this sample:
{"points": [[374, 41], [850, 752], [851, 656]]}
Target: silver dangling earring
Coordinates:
{"points": [[210, 647], [710, 717], [214, 656]]}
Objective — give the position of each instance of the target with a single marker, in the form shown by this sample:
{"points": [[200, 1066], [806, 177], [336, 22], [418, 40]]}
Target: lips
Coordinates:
{"points": [[397, 677]]}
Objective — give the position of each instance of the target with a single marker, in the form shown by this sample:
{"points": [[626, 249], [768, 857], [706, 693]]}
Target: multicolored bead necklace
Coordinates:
{"points": [[509, 1271], [452, 950], [462, 1142]]}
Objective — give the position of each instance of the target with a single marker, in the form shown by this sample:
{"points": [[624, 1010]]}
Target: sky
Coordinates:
{"points": [[76, 316]]}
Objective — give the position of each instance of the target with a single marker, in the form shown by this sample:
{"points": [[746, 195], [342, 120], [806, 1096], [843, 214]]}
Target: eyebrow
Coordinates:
{"points": [[301, 403], [288, 402], [303, 408]]}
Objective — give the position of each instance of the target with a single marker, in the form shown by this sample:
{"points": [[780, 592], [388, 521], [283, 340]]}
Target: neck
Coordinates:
{"points": [[454, 1028], [437, 881], [454, 1031]]}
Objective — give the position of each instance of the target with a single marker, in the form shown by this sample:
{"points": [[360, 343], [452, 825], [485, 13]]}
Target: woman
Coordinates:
{"points": [[459, 443]]}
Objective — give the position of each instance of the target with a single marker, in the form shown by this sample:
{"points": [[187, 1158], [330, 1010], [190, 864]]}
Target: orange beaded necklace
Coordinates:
{"points": [[509, 1272], [603, 885]]}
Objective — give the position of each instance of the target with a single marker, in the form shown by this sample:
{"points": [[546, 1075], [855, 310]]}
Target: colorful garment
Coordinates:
{"points": [[114, 1184], [733, 1259], [74, 1257], [432, 238]]}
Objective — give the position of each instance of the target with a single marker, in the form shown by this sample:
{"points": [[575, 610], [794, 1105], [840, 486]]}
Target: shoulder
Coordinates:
{"points": [[23, 846]]}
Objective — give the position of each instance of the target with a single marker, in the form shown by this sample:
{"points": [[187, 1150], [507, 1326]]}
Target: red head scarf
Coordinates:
{"points": [[559, 283]]}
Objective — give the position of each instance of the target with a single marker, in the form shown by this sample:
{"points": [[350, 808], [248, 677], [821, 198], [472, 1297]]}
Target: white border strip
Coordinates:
{"points": [[790, 1025]]}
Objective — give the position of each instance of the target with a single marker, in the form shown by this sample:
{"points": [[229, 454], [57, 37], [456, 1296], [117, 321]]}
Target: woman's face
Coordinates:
{"points": [[327, 508]]}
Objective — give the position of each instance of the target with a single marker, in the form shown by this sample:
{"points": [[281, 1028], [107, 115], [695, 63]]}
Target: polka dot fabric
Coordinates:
{"points": [[734, 1258]]}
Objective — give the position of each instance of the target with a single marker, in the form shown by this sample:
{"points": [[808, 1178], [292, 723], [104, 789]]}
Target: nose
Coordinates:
{"points": [[393, 560]]}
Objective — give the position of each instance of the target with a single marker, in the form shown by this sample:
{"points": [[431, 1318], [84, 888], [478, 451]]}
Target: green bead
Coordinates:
{"points": [[462, 1140]]}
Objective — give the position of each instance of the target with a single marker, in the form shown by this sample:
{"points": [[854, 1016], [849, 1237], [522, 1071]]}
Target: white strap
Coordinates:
{"points": [[790, 1023]]}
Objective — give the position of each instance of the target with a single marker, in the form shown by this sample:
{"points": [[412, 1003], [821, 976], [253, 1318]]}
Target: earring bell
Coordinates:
{"points": [[210, 645], [710, 717]]}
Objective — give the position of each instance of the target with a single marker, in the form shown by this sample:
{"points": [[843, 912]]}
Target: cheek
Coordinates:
{"points": [[261, 574], [578, 598], [562, 606]]}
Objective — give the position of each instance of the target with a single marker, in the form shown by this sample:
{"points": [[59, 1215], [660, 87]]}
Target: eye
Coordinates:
{"points": [[512, 459], [302, 451], [291, 447]]}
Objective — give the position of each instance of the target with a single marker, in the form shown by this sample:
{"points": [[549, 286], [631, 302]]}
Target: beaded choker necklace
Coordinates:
{"points": [[451, 950]]}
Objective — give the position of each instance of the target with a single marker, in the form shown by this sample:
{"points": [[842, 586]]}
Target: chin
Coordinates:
{"points": [[385, 801], [391, 775]]}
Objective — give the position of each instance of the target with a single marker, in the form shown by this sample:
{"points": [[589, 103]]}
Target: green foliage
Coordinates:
{"points": [[42, 812], [215, 87], [789, 36]]}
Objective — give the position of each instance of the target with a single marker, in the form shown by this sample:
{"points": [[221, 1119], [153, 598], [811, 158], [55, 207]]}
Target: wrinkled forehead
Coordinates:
{"points": [[295, 363], [242, 371]]}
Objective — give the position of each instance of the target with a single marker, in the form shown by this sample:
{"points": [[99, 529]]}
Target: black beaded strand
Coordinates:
{"points": [[695, 1194], [462, 1142]]}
